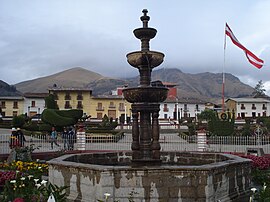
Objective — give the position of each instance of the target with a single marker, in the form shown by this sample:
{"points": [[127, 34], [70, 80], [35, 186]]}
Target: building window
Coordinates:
{"points": [[165, 109], [165, 116], [243, 106], [79, 105], [15, 105], [185, 108], [253, 115], [264, 107], [3, 104], [3, 114], [67, 96], [33, 103], [121, 107], [197, 107], [99, 107], [15, 113], [111, 105], [79, 96], [99, 116], [67, 105], [253, 106]]}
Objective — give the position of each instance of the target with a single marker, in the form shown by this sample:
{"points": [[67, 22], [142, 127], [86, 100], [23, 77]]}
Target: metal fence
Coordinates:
{"points": [[169, 142]]}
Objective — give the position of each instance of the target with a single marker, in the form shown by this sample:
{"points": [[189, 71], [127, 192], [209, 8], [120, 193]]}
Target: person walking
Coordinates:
{"points": [[71, 138], [65, 138], [54, 138], [13, 141], [20, 137]]}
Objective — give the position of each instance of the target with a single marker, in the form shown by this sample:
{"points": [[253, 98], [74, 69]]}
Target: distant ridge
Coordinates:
{"points": [[74, 77], [203, 86], [7, 90]]}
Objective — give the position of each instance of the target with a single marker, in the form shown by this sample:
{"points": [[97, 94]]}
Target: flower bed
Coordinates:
{"points": [[23, 182]]}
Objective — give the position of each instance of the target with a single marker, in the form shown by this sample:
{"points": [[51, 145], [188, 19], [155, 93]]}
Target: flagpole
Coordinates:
{"points": [[223, 74]]}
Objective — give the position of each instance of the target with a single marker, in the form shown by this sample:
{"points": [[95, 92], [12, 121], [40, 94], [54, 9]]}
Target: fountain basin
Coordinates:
{"points": [[145, 94], [183, 176], [145, 58], [143, 32]]}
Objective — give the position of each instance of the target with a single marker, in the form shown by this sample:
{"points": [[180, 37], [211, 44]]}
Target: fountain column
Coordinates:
{"points": [[145, 99]]}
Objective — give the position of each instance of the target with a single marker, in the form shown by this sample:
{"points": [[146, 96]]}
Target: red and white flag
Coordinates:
{"points": [[253, 59]]}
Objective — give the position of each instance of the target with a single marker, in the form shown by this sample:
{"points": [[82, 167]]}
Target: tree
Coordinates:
{"points": [[208, 115], [50, 102], [18, 121], [259, 90]]}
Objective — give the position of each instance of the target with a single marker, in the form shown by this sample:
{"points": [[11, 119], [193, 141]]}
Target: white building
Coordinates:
{"points": [[177, 108], [249, 107], [34, 103]]}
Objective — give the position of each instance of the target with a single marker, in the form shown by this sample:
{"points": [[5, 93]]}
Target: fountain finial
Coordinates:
{"points": [[145, 18]]}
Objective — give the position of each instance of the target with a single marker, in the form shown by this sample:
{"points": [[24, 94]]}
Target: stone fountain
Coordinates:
{"points": [[145, 99], [146, 173]]}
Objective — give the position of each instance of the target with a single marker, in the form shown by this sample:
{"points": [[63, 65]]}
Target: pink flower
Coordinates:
{"points": [[18, 200]]}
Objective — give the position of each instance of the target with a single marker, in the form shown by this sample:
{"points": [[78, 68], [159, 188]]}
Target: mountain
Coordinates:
{"points": [[201, 86], [74, 77], [7, 90]]}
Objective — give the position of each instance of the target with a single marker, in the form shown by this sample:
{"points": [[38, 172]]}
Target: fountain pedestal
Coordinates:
{"points": [[145, 134], [145, 98]]}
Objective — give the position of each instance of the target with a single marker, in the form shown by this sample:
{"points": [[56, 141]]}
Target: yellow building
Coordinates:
{"points": [[11, 106], [114, 106], [96, 106]]}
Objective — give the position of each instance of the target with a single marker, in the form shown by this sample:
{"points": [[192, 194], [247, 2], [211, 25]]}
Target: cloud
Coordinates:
{"points": [[39, 38]]}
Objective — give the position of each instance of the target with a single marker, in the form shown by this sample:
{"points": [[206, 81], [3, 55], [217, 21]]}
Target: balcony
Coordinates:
{"points": [[186, 110], [165, 109], [253, 108], [68, 107], [100, 109], [112, 106], [79, 97], [242, 107], [121, 109], [80, 106]]}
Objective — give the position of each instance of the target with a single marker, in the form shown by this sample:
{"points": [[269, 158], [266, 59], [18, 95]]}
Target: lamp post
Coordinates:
{"points": [[177, 109], [125, 114]]}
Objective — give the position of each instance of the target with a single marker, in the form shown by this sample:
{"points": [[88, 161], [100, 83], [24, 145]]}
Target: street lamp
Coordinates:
{"points": [[125, 114], [177, 108]]}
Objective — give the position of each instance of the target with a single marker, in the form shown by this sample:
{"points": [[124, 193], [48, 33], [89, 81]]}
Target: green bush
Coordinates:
{"points": [[31, 126], [61, 117], [45, 127], [221, 128], [18, 121], [74, 113]]}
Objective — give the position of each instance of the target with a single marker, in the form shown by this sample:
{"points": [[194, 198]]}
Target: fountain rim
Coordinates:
{"points": [[231, 159]]}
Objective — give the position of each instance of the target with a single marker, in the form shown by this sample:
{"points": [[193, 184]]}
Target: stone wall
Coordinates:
{"points": [[225, 178]]}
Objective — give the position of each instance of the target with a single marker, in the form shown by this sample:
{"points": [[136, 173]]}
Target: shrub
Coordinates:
{"points": [[61, 117], [18, 121]]}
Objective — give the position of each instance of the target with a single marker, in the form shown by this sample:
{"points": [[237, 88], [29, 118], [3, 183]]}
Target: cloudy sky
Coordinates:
{"points": [[40, 38]]}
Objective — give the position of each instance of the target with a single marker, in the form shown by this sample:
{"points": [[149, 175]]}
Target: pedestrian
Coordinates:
{"points": [[54, 138], [71, 138], [20, 137], [13, 141], [65, 138]]}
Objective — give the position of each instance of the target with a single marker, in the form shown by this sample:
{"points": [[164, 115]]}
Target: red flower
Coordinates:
{"points": [[18, 200]]}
